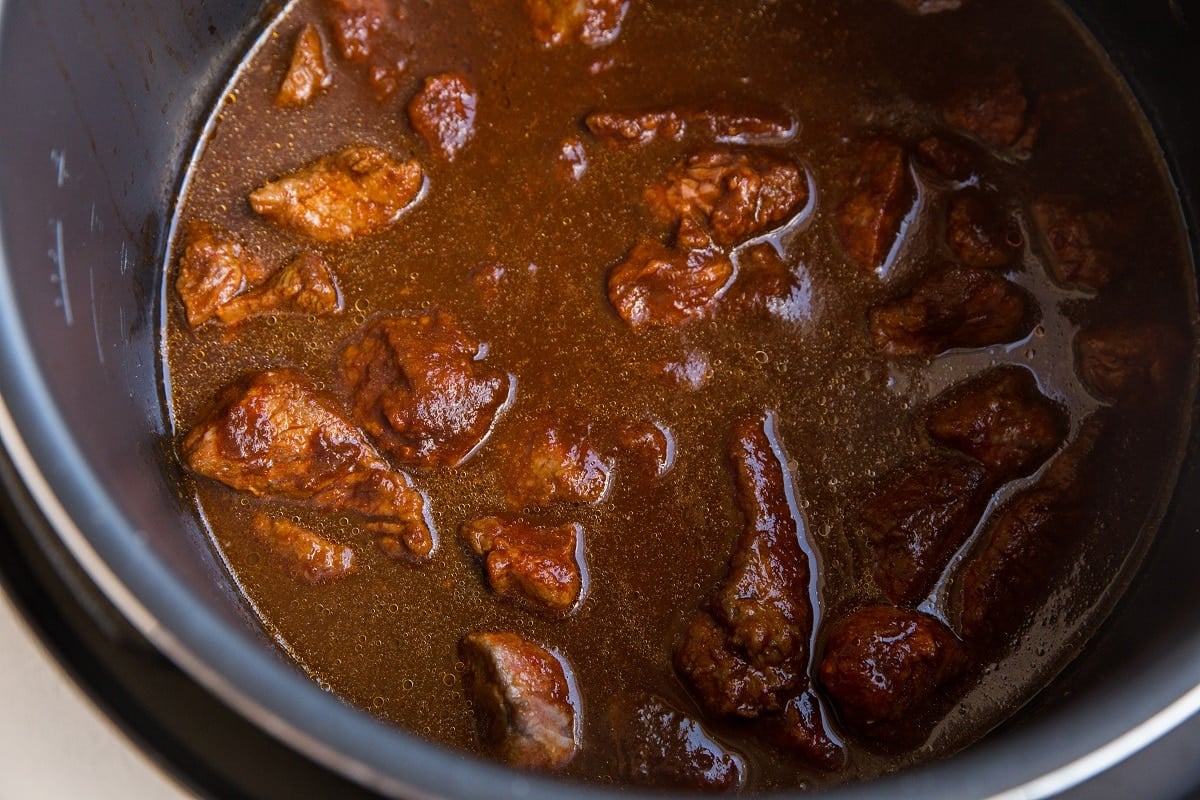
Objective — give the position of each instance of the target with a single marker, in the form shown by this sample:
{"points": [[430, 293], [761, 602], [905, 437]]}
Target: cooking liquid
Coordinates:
{"points": [[385, 639]]}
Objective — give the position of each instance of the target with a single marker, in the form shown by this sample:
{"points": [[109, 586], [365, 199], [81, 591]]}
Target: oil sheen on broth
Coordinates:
{"points": [[791, 353]]}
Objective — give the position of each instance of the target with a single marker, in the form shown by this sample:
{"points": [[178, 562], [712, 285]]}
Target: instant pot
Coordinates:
{"points": [[100, 105]]}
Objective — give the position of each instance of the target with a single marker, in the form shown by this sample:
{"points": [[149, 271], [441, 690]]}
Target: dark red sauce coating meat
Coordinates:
{"points": [[443, 112], [1002, 419], [918, 518], [555, 256], [307, 556], [890, 672], [419, 387], [748, 646], [535, 564], [881, 193], [1136, 362], [356, 191], [214, 269], [527, 712], [658, 745], [308, 74], [1079, 241], [952, 307], [274, 435], [992, 110], [978, 233]]}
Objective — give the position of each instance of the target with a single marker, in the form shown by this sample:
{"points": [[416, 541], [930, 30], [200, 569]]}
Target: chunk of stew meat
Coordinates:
{"points": [[554, 459], [305, 286], [880, 194], [273, 434], [589, 22], [538, 565], [527, 712], [306, 555], [215, 268], [747, 648]]}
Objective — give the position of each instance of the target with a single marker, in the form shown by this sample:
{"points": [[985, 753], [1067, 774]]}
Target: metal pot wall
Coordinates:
{"points": [[98, 114]]}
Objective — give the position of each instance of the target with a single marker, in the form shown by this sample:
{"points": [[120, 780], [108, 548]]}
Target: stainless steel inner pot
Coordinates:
{"points": [[99, 107]]}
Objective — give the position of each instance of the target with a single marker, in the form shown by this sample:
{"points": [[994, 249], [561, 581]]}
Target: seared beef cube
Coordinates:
{"points": [[274, 435], [890, 673], [658, 745], [556, 460], [659, 285], [355, 191], [881, 193], [691, 371], [648, 443], [307, 556], [952, 307], [747, 648], [1140, 363], [993, 111], [978, 233], [923, 7], [1079, 241], [214, 269], [370, 31], [308, 73], [419, 387], [617, 128], [305, 286], [523, 700], [766, 286], [917, 521], [801, 731], [731, 195], [757, 126], [1027, 546], [443, 113], [538, 565], [589, 22], [1001, 419], [951, 159]]}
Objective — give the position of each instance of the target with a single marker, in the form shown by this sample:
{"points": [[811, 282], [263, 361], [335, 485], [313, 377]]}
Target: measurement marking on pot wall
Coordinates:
{"points": [[57, 255]]}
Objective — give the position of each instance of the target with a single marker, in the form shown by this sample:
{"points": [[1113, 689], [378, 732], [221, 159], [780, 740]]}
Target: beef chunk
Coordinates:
{"points": [[1079, 241], [556, 460], [305, 286], [890, 672], [1140, 363], [993, 111], [923, 7], [917, 521], [881, 192], [537, 565], [443, 113], [649, 443], [767, 287], [660, 285], [617, 128], [307, 556], [745, 126], [952, 307], [1027, 545], [978, 233], [747, 648], [521, 693], [419, 387], [308, 73], [371, 32], [801, 731], [1001, 419], [214, 269], [658, 745], [274, 435], [355, 191], [731, 195], [590, 22], [691, 371], [952, 160]]}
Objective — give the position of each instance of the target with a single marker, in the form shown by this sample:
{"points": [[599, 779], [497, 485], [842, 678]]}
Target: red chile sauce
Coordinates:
{"points": [[516, 237]]}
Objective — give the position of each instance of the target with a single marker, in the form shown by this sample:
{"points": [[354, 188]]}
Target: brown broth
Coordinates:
{"points": [[386, 638]]}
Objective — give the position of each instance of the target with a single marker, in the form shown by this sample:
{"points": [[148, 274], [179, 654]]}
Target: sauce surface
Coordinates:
{"points": [[516, 231]]}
